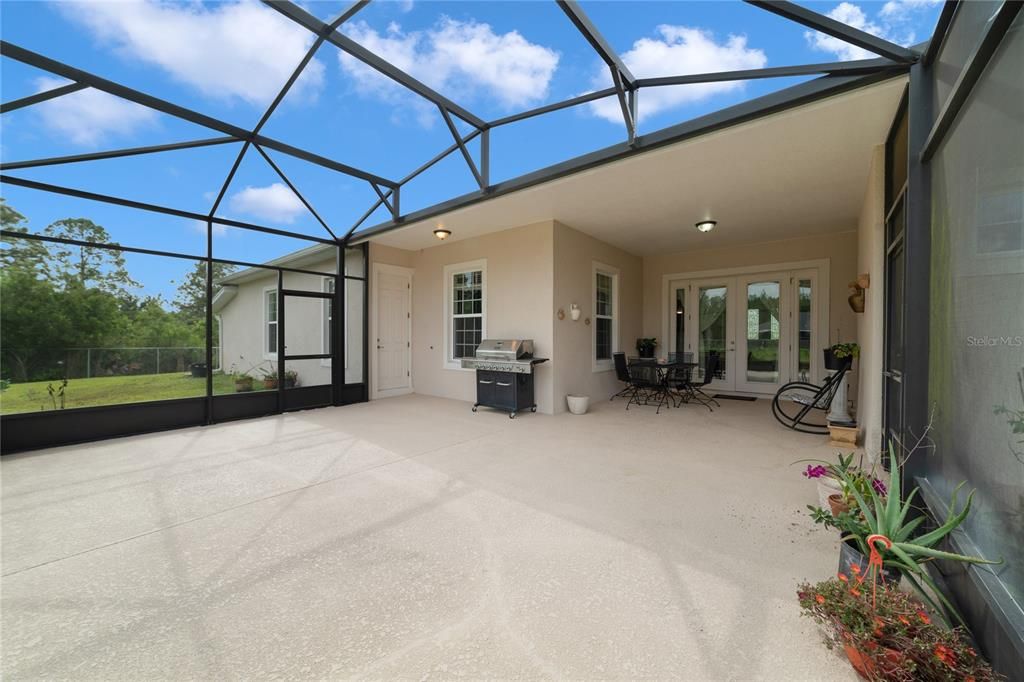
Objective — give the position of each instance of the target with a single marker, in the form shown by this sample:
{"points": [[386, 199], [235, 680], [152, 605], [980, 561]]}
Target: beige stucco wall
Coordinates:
{"points": [[839, 248], [519, 303], [574, 257], [243, 327], [871, 260]]}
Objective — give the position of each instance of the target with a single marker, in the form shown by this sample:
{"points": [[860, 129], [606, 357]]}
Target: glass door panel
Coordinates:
{"points": [[763, 336], [678, 343], [805, 347], [714, 332]]}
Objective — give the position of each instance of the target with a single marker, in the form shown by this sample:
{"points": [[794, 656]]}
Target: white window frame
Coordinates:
{"points": [[267, 354], [613, 272], [325, 283], [219, 355], [448, 361]]}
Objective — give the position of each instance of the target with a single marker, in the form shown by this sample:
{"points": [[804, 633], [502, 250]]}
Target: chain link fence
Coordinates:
{"points": [[47, 364]]}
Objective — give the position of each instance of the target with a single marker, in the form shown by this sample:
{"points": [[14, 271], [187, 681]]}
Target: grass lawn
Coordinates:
{"points": [[32, 396]]}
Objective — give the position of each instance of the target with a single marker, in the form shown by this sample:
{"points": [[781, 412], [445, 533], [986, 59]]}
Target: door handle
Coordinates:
{"points": [[486, 382], [501, 384]]}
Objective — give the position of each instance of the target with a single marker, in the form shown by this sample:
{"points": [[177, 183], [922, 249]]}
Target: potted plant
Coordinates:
{"points": [[291, 378], [243, 382], [887, 634], [827, 475], [840, 355], [269, 378], [888, 517], [645, 347]]}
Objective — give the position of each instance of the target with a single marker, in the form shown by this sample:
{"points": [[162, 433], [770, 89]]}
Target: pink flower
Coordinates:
{"points": [[815, 471]]}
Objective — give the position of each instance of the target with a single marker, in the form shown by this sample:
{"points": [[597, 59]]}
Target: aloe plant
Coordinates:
{"points": [[887, 515]]}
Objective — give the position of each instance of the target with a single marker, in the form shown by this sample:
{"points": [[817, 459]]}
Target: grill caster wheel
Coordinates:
{"points": [[512, 415], [474, 407], [533, 409]]}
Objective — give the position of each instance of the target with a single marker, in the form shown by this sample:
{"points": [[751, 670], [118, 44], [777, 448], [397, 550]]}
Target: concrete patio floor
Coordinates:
{"points": [[410, 538]]}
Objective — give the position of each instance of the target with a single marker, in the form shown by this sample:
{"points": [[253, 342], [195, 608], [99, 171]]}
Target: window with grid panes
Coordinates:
{"points": [[467, 313]]}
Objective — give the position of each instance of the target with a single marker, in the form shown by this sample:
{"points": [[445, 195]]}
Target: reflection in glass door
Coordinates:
{"points": [[761, 359], [714, 330]]}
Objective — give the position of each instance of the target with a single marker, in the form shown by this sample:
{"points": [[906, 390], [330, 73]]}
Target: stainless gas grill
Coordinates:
{"points": [[504, 374]]}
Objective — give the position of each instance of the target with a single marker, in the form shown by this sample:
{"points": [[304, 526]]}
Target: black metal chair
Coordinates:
{"points": [[649, 385], [680, 378], [622, 374], [711, 363], [803, 407]]}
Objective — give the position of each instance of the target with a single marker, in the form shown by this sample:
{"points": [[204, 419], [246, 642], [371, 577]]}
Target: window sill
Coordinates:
{"points": [[603, 366], [448, 364]]}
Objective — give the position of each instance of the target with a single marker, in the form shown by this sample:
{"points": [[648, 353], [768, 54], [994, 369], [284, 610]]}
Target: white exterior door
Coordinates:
{"points": [[393, 330], [765, 326]]}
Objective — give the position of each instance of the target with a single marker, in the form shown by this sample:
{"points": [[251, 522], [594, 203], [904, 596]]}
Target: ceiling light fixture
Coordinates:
{"points": [[706, 225], [442, 233]]}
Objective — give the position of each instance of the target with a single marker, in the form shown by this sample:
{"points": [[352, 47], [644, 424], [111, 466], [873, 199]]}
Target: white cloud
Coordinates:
{"points": [[200, 227], [901, 9], [88, 117], [893, 22], [275, 203], [238, 49], [458, 58], [678, 50]]}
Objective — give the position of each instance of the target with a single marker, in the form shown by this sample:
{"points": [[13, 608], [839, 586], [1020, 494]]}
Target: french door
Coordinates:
{"points": [[763, 327]]}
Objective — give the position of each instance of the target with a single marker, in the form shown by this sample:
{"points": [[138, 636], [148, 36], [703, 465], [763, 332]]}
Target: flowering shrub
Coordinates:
{"points": [[895, 635]]}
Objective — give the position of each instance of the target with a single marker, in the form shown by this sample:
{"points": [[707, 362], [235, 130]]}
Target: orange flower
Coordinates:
{"points": [[924, 617], [854, 591], [819, 598], [903, 619], [842, 576], [945, 654], [855, 569]]}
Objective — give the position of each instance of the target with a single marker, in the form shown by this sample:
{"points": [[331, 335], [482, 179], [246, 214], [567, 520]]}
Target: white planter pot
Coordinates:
{"points": [[578, 404], [828, 486]]}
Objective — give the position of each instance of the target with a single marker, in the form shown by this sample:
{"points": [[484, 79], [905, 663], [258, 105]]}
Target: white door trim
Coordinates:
{"points": [[404, 272], [823, 266]]}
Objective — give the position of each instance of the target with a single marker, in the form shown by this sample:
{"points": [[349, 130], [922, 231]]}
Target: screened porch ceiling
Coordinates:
{"points": [[795, 173]]}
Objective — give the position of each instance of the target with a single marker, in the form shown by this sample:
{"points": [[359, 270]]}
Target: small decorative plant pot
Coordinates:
{"points": [[832, 363], [849, 556], [243, 385], [837, 505], [828, 486], [270, 383], [578, 404]]}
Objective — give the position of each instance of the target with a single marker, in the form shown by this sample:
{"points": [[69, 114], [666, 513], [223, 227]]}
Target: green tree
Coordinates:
{"points": [[88, 266], [190, 300], [23, 254]]}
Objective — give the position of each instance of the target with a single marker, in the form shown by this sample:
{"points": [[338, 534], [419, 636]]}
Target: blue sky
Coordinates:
{"points": [[229, 59]]}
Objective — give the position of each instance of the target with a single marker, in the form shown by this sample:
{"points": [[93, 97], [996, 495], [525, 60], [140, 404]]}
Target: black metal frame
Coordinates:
{"points": [[44, 429], [995, 618]]}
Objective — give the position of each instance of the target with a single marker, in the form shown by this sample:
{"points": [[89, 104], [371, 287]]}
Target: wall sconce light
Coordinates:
{"points": [[706, 225], [442, 233], [574, 312]]}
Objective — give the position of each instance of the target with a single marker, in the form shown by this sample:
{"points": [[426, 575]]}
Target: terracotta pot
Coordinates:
{"points": [[861, 662], [828, 486], [243, 385], [837, 505], [270, 383]]}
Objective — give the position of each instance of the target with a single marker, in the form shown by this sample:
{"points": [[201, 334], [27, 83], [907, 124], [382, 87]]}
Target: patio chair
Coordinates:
{"points": [[649, 386], [711, 364], [803, 407], [622, 374], [680, 382]]}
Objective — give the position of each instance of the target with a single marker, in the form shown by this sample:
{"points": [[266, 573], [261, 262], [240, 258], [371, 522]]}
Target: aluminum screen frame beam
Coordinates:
{"points": [[797, 95], [117, 153], [969, 75], [14, 105], [154, 208], [351, 47], [845, 68], [597, 41], [24, 56], [836, 29]]}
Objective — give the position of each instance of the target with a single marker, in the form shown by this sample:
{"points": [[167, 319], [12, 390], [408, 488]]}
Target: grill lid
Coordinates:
{"points": [[504, 349]]}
